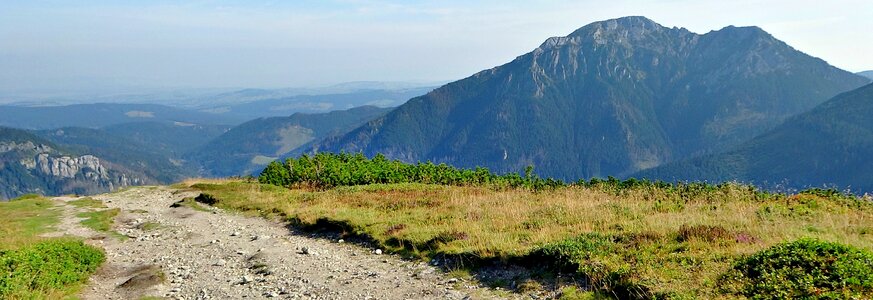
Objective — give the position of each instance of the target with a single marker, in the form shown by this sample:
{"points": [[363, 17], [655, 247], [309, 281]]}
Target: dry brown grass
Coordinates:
{"points": [[675, 245]]}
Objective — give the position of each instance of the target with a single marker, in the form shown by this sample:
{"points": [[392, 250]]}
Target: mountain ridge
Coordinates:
{"points": [[611, 98]]}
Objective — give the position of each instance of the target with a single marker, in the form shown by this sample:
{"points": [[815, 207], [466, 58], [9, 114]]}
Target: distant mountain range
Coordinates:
{"points": [[229, 108], [105, 114], [611, 98], [196, 98], [285, 106], [868, 74], [250, 146], [830, 145]]}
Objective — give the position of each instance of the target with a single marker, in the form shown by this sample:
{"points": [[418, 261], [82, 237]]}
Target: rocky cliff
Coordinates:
{"points": [[29, 164]]}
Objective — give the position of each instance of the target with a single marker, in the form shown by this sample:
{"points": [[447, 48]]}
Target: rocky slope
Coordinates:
{"points": [[611, 98]]}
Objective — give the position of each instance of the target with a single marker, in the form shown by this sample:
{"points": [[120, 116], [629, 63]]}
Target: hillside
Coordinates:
{"points": [[250, 146], [868, 74], [174, 139], [32, 164], [104, 114], [831, 144], [611, 98], [147, 159]]}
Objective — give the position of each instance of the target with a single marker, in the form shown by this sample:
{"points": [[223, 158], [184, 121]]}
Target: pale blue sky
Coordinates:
{"points": [[58, 45]]}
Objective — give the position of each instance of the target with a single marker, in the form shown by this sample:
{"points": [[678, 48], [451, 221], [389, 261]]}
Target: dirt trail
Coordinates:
{"points": [[182, 253]]}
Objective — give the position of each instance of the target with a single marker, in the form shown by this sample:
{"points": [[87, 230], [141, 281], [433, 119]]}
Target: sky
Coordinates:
{"points": [[92, 44]]}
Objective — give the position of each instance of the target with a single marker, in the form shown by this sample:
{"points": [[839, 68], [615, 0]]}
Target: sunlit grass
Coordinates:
{"points": [[87, 202], [34, 267], [102, 221], [673, 245], [22, 220]]}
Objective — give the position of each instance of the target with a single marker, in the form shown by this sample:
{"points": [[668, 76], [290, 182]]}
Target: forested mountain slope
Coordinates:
{"points": [[830, 145], [611, 98], [249, 147]]}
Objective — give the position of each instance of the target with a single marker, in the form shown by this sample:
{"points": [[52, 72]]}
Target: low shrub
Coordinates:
{"points": [[328, 170], [597, 257], [46, 268], [803, 269]]}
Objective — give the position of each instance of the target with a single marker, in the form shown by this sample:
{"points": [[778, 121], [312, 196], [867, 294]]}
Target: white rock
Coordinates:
{"points": [[378, 251], [247, 279]]}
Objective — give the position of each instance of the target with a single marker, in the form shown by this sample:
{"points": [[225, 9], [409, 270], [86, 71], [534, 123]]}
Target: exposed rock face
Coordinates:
{"points": [[35, 167], [69, 167]]}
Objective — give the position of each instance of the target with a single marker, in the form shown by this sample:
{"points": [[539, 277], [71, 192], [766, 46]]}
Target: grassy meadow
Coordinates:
{"points": [[644, 241], [34, 267]]}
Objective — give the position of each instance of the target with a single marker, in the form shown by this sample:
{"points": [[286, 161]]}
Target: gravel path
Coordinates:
{"points": [[181, 253]]}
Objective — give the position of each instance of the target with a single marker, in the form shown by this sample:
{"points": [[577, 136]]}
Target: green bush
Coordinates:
{"points": [[804, 269], [327, 170], [47, 267], [594, 256]]}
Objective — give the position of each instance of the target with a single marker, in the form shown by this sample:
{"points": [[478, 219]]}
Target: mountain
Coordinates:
{"points": [[868, 74], [31, 164], [251, 145], [830, 145], [173, 139], [148, 159], [104, 114], [611, 98]]}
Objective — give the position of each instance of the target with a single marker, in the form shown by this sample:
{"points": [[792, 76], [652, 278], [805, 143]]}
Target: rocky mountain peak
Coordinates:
{"points": [[627, 31], [632, 28]]}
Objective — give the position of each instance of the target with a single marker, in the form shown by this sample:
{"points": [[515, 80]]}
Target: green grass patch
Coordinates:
{"points": [[32, 267], [27, 197], [47, 269], [24, 218], [149, 226], [102, 221], [574, 293], [87, 202]]}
